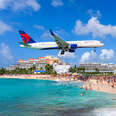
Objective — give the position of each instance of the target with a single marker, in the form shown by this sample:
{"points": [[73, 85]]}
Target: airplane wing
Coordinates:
{"points": [[61, 43]]}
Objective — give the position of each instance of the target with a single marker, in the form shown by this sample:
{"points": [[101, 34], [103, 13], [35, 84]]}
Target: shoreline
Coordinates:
{"points": [[95, 84], [39, 76]]}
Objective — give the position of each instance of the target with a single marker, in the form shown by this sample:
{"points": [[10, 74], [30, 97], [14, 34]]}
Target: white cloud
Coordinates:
{"points": [[67, 55], [4, 27], [19, 4], [40, 27], [106, 54], [62, 34], [34, 4], [59, 32], [71, 1], [46, 35], [57, 3], [95, 28], [85, 57], [4, 3], [5, 52], [94, 13]]}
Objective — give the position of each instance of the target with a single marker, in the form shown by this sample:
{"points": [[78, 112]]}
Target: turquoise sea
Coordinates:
{"points": [[21, 97]]}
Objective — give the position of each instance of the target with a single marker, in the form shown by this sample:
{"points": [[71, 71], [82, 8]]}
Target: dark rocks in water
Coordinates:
{"points": [[77, 112]]}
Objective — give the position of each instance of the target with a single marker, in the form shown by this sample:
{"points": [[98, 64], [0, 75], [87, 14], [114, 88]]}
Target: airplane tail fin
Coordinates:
{"points": [[26, 38]]}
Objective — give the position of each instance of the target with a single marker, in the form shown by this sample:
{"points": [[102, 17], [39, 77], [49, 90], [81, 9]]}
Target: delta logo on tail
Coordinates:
{"points": [[63, 46], [25, 37]]}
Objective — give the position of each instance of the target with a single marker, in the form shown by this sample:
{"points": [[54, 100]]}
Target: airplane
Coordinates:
{"points": [[64, 46]]}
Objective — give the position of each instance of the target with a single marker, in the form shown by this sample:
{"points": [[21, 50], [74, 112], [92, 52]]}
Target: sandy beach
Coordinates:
{"points": [[108, 86], [40, 76]]}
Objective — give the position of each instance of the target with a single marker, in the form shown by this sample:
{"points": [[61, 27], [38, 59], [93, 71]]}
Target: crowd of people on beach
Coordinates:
{"points": [[110, 80], [101, 83]]}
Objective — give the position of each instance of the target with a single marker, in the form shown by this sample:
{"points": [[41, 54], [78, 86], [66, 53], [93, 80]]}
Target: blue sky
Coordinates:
{"points": [[70, 19]]}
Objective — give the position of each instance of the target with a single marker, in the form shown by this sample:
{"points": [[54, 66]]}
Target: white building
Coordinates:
{"points": [[61, 68], [100, 66]]}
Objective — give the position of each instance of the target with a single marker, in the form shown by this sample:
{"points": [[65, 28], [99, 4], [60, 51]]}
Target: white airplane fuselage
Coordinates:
{"points": [[53, 45]]}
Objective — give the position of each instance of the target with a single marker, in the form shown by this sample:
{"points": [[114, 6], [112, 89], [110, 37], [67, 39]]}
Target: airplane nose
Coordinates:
{"points": [[102, 44], [21, 45]]}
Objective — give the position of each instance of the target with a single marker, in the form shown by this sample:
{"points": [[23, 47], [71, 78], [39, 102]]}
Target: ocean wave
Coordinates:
{"points": [[104, 112]]}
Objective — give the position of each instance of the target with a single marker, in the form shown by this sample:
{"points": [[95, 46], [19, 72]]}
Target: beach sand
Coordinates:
{"points": [[38, 76], [103, 86]]}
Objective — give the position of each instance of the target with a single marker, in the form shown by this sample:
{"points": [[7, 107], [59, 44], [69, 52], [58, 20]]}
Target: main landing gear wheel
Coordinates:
{"points": [[62, 52]]}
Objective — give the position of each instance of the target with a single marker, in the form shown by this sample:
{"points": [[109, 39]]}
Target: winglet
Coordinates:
{"points": [[51, 32]]}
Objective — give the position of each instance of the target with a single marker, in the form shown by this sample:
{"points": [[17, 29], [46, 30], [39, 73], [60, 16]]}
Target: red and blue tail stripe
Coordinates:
{"points": [[25, 37]]}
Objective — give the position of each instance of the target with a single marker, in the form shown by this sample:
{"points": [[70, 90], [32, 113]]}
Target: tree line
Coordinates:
{"points": [[48, 70]]}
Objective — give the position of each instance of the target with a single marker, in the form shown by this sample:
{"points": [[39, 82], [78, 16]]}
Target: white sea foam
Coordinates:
{"points": [[104, 112]]}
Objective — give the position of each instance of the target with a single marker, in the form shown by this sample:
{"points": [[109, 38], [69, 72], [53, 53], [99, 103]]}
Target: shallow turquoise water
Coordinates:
{"points": [[19, 97]]}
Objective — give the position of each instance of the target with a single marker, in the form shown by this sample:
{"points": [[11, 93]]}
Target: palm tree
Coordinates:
{"points": [[2, 71]]}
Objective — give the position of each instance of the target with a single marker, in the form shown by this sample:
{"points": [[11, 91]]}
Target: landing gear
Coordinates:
{"points": [[94, 50], [71, 50], [62, 52]]}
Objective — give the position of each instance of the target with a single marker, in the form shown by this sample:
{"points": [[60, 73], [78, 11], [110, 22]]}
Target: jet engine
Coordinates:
{"points": [[71, 49], [73, 46]]}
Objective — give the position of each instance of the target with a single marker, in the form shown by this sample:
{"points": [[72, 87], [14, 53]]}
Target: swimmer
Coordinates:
{"points": [[86, 89], [82, 94]]}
